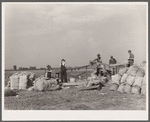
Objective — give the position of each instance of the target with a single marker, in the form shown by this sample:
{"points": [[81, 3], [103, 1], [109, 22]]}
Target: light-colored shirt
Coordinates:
{"points": [[98, 61], [131, 56], [63, 63]]}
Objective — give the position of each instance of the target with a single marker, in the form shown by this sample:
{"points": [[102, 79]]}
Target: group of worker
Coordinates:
{"points": [[62, 68], [98, 60], [112, 60]]}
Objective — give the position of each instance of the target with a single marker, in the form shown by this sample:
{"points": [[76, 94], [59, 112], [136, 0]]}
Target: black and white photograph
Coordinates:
{"points": [[75, 61]]}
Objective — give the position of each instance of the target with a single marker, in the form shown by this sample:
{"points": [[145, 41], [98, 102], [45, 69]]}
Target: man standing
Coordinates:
{"points": [[112, 60], [131, 58], [63, 71], [98, 60]]}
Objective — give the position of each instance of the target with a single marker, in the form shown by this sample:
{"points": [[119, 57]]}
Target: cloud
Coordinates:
{"points": [[81, 30]]}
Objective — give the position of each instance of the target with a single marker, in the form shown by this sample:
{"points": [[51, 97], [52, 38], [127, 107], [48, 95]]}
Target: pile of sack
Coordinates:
{"points": [[90, 81], [21, 80], [130, 80], [42, 84], [94, 80]]}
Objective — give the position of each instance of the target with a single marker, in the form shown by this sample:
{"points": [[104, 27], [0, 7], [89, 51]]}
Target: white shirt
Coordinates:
{"points": [[63, 63]]}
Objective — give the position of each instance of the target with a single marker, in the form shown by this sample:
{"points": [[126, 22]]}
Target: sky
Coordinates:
{"points": [[42, 34]]}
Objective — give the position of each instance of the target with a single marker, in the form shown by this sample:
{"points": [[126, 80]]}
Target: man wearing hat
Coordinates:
{"points": [[112, 60], [48, 72], [63, 71], [98, 60], [131, 58]]}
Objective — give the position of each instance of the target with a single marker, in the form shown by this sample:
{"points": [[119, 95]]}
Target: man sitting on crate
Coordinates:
{"points": [[97, 62]]}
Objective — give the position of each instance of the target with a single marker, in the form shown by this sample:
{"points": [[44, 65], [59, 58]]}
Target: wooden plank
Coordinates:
{"points": [[114, 65], [78, 67], [74, 84], [86, 72]]}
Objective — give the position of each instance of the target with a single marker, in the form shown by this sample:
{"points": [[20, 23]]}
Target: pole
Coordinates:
{"points": [[86, 72]]}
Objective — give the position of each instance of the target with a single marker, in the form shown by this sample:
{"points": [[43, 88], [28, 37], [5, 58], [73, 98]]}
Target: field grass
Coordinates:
{"points": [[74, 99]]}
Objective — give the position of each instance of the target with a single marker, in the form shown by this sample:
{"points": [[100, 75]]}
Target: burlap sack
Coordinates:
{"points": [[114, 87], [135, 90], [124, 78], [132, 70], [14, 82], [122, 71], [143, 90], [138, 81], [40, 85], [127, 88], [116, 79], [23, 79], [144, 80], [72, 80], [140, 72], [46, 84], [121, 88], [130, 80]]}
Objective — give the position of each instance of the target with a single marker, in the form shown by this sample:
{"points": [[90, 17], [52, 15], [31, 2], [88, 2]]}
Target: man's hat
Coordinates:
{"points": [[48, 66], [98, 55], [129, 50], [63, 60]]}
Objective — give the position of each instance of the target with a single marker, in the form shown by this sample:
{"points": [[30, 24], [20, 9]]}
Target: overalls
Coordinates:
{"points": [[63, 74]]}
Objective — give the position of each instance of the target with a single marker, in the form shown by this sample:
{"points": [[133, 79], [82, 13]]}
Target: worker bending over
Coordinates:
{"points": [[48, 72]]}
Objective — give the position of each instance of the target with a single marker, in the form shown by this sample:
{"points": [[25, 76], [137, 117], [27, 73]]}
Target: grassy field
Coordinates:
{"points": [[74, 99]]}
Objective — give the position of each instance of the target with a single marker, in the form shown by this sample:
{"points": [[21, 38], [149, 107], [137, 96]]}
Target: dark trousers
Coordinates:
{"points": [[98, 71], [48, 75], [63, 76], [130, 62]]}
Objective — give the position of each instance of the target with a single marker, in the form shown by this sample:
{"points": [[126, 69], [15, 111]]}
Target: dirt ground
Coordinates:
{"points": [[74, 99]]}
